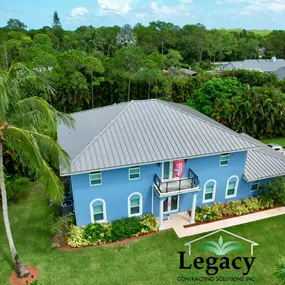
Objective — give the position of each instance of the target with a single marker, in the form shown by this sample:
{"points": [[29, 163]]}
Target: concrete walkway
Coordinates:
{"points": [[177, 222]]}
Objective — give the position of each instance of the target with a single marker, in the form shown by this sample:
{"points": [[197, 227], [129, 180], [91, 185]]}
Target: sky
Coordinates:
{"points": [[229, 14]]}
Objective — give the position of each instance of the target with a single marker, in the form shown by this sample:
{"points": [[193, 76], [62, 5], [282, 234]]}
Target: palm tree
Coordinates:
{"points": [[24, 122], [280, 270]]}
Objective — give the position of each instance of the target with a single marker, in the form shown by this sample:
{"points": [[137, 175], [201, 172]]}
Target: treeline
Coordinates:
{"points": [[92, 67]]}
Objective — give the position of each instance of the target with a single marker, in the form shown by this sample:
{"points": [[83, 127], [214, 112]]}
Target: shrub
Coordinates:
{"points": [[274, 190], [252, 204], [97, 233], [17, 187], [150, 223], [235, 208], [265, 202], [209, 213], [126, 228], [60, 228], [76, 237], [62, 224]]}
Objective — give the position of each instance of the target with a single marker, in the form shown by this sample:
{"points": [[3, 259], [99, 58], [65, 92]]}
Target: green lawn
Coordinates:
{"points": [[148, 260], [280, 141]]}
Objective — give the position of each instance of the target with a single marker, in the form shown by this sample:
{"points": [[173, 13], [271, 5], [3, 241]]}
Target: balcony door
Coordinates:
{"points": [[168, 173], [170, 204], [173, 170]]}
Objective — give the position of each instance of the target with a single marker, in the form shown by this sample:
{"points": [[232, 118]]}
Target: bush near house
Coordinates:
{"points": [[233, 208], [274, 190], [268, 195], [17, 187], [96, 233], [61, 228]]}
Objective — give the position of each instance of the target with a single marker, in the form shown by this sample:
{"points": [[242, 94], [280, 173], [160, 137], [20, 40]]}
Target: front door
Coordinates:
{"points": [[170, 204]]}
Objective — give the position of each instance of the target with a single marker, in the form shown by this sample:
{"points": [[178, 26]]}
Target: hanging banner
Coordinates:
{"points": [[178, 167]]}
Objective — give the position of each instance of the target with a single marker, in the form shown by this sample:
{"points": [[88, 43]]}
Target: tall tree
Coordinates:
{"points": [[126, 37], [172, 62], [128, 60], [15, 24], [56, 20], [23, 120]]}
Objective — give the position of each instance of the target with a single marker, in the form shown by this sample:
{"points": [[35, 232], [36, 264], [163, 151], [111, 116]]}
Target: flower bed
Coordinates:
{"points": [[220, 211], [119, 230]]}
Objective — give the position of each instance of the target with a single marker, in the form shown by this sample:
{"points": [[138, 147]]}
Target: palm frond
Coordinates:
{"points": [[38, 114], [24, 142], [50, 150]]}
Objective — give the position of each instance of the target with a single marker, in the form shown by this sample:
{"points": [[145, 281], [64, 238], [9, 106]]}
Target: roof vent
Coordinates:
{"points": [[273, 58]]}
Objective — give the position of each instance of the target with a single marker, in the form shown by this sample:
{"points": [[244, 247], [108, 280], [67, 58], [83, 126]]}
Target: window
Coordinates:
{"points": [[135, 204], [95, 178], [134, 173], [224, 159], [209, 191], [232, 186], [98, 211], [254, 186]]}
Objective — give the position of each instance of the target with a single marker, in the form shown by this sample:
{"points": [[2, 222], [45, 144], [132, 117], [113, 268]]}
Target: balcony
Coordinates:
{"points": [[177, 186]]}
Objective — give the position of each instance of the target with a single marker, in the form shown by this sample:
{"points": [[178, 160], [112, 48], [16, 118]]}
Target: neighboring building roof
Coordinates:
{"points": [[140, 132], [263, 65], [280, 73], [188, 72], [264, 162]]}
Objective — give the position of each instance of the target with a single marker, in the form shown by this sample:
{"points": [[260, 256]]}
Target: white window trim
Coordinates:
{"points": [[222, 165], [90, 178], [236, 187], [133, 167], [129, 205], [257, 185], [178, 204], [104, 211], [214, 191]]}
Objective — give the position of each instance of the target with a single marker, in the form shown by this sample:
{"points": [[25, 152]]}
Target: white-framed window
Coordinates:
{"points": [[224, 159], [134, 173], [95, 178], [254, 186], [209, 191], [98, 211], [135, 204], [232, 186]]}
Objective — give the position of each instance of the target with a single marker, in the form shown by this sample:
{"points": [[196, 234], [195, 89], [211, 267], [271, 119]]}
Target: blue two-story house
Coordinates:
{"points": [[159, 157]]}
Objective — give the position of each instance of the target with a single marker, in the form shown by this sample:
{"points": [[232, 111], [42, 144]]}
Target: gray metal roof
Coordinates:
{"points": [[264, 162], [140, 132], [264, 65]]}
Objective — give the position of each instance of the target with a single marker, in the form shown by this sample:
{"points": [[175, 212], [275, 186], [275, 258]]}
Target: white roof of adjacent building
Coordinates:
{"points": [[264, 162], [142, 132], [264, 65]]}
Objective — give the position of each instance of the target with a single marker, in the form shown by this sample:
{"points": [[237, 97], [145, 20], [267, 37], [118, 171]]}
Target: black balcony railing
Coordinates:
{"points": [[189, 182]]}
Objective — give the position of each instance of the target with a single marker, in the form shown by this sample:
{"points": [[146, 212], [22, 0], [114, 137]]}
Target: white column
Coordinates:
{"points": [[161, 215], [194, 201]]}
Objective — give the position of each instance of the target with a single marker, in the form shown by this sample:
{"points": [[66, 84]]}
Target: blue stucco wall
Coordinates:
{"points": [[116, 186]]}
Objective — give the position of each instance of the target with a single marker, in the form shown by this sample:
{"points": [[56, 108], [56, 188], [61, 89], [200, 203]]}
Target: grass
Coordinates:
{"points": [[148, 260], [280, 141]]}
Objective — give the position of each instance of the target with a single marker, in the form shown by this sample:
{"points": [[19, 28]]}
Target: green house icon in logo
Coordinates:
{"points": [[220, 247]]}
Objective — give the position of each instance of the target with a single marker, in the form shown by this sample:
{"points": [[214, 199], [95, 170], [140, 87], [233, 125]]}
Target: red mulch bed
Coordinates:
{"points": [[34, 273], [119, 242], [225, 218]]}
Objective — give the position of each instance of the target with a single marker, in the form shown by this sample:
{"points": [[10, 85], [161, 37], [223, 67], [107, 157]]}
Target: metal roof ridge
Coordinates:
{"points": [[95, 109], [103, 131], [229, 132]]}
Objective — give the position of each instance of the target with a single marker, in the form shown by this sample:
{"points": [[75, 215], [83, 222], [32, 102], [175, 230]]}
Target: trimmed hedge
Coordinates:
{"points": [[96, 233], [234, 208]]}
